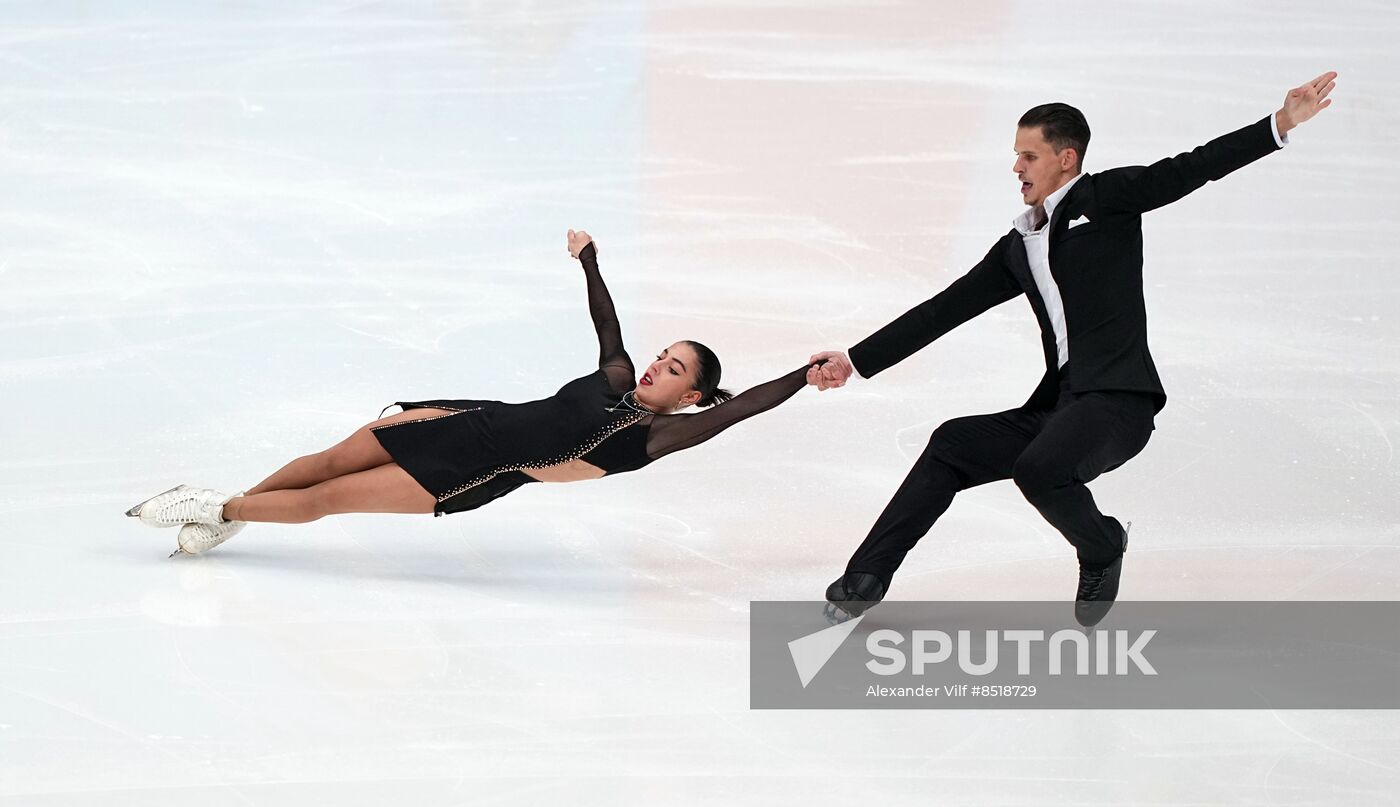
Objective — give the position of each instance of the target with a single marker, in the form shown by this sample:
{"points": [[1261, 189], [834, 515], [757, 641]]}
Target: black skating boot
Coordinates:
{"points": [[1098, 588]]}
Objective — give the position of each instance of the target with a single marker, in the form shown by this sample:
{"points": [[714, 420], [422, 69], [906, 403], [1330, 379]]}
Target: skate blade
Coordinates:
{"points": [[836, 615], [179, 551], [135, 512]]}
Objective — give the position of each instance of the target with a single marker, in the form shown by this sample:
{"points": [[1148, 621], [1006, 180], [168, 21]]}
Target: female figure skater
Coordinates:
{"points": [[445, 456]]}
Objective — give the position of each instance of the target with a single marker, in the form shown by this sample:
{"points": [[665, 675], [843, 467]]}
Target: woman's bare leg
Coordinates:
{"points": [[358, 452], [386, 488]]}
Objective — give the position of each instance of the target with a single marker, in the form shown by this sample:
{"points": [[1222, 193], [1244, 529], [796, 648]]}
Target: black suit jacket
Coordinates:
{"points": [[1097, 266]]}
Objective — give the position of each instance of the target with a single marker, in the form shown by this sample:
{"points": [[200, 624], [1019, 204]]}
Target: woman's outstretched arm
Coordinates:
{"points": [[670, 433], [612, 357]]}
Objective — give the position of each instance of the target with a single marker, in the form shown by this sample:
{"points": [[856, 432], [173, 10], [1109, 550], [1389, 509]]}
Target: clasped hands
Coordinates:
{"points": [[833, 373]]}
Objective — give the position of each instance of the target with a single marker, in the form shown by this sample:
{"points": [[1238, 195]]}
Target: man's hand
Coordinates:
{"points": [[833, 374], [1303, 102], [579, 240]]}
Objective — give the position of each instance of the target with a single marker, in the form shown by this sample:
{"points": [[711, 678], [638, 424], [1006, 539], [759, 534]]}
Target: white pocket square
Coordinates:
{"points": [[1078, 221]]}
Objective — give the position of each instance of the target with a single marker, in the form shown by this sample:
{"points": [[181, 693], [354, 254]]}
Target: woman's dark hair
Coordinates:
{"points": [[707, 376], [1061, 125]]}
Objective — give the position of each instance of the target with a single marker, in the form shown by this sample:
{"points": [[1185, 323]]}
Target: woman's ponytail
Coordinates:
{"points": [[719, 396]]}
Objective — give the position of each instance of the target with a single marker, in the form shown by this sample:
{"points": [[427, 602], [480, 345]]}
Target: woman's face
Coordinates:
{"points": [[668, 383]]}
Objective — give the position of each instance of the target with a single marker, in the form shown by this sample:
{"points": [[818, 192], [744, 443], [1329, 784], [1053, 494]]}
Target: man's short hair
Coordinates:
{"points": [[1061, 125]]}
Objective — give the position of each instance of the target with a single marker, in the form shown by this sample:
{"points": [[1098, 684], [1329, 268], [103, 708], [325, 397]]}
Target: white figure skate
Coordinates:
{"points": [[182, 504], [195, 539]]}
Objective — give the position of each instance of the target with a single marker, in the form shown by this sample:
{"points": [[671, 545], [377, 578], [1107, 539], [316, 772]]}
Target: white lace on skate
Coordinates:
{"points": [[197, 538], [184, 505]]}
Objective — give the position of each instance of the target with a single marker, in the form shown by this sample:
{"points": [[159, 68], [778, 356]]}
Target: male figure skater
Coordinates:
{"points": [[1076, 253]]}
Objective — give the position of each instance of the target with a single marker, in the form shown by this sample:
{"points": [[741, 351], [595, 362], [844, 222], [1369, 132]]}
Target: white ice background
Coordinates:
{"points": [[231, 232]]}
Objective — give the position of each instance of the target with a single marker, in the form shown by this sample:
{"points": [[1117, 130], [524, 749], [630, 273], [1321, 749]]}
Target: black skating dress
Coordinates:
{"points": [[475, 454]]}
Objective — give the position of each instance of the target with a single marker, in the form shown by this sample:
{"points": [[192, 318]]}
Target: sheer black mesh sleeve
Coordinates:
{"points": [[670, 433], [612, 358]]}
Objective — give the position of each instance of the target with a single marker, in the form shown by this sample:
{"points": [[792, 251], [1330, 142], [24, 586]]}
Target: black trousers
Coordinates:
{"points": [[1051, 454]]}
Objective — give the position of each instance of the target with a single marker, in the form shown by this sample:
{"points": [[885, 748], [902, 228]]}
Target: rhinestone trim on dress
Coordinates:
{"points": [[420, 420]]}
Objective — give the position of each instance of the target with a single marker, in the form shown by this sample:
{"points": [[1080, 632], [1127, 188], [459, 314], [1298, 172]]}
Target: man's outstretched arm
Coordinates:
{"points": [[988, 284], [1138, 188]]}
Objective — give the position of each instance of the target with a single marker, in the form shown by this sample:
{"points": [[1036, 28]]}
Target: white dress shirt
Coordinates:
{"points": [[1037, 242], [1035, 234]]}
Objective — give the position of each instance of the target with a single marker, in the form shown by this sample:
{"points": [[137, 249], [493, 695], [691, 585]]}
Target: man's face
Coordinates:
{"points": [[1039, 168]]}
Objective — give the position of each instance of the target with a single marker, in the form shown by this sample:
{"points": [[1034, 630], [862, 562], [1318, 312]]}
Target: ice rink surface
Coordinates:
{"points": [[232, 232]]}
